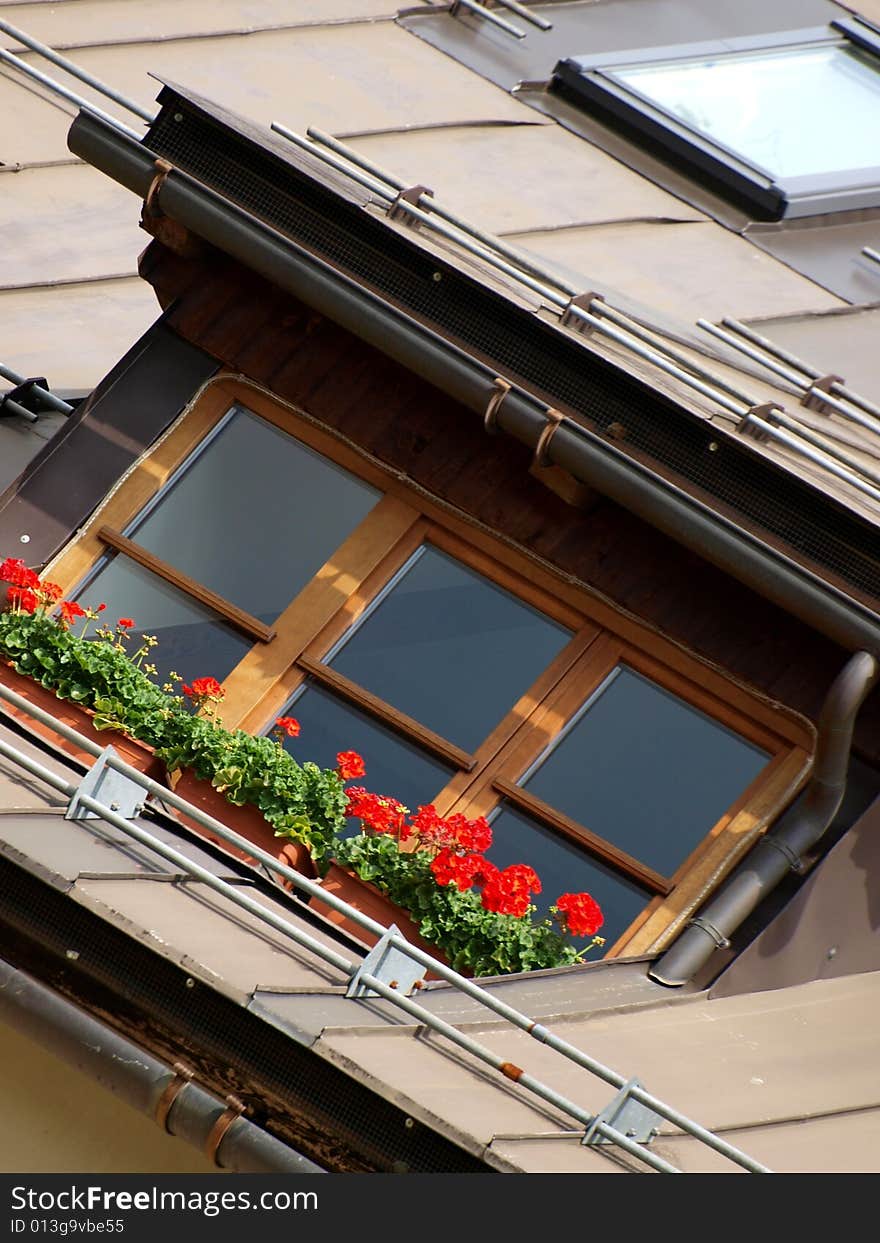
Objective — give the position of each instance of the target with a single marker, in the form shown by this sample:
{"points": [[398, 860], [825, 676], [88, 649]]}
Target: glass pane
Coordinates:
{"points": [[394, 766], [254, 516], [450, 649], [192, 640], [564, 868], [646, 771], [791, 111]]}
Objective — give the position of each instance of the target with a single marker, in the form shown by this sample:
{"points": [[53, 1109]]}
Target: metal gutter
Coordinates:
{"points": [[590, 458], [783, 849], [165, 1094]]}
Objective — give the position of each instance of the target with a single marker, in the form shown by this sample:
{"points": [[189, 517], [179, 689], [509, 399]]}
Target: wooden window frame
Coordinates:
{"points": [[401, 521]]}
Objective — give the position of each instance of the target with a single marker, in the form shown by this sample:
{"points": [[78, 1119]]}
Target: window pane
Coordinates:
{"points": [[192, 641], [394, 766], [254, 516], [646, 771], [563, 868], [450, 649], [791, 111]]}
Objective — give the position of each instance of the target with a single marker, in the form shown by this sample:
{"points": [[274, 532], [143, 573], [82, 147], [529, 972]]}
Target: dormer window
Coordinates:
{"points": [[787, 124]]}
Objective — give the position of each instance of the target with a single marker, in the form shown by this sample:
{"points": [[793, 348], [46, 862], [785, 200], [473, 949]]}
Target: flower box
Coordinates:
{"points": [[246, 820], [136, 753]]}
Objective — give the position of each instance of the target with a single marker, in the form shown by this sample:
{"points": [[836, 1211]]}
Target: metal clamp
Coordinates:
{"points": [[705, 925], [583, 302], [406, 199], [792, 858], [234, 1109], [183, 1075], [387, 963], [812, 398], [554, 418], [626, 1116], [23, 396], [105, 785], [490, 418], [151, 204], [747, 427]]}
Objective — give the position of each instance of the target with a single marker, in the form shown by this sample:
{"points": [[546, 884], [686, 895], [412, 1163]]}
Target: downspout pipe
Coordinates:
{"points": [[782, 849], [141, 1080], [450, 368]]}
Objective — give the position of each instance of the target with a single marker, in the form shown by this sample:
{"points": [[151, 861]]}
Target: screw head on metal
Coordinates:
{"points": [[24, 539]]}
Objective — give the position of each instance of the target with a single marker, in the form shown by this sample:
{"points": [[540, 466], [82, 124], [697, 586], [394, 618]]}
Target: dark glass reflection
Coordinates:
{"points": [[564, 868], [394, 766], [646, 771], [255, 515], [192, 640], [450, 649]]}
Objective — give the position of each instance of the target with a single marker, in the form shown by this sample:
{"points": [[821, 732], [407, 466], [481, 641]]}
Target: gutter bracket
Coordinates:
{"points": [[812, 398], [583, 302], [705, 925], [182, 1076], [625, 1115], [500, 389], [107, 786], [234, 1109], [390, 965], [405, 199]]}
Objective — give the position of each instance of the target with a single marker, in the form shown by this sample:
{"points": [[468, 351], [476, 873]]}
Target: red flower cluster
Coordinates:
{"points": [[127, 623], [350, 765], [453, 832], [507, 892], [463, 871], [203, 688], [13, 570], [378, 813], [582, 916], [23, 598], [288, 725], [70, 610]]}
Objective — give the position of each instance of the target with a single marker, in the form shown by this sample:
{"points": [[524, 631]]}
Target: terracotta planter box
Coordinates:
{"points": [[138, 754], [247, 821], [365, 898]]}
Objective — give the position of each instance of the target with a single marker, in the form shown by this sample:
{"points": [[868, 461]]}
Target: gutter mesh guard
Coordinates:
{"points": [[821, 532]]}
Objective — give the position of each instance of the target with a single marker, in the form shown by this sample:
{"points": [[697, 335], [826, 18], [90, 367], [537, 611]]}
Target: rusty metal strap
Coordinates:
{"points": [[183, 1075], [234, 1109], [151, 202], [490, 418], [554, 418]]}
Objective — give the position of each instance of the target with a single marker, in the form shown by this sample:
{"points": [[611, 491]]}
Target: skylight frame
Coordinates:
{"points": [[594, 80]]}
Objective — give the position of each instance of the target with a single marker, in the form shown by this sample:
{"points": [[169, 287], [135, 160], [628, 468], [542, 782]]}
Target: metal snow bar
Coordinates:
{"points": [[481, 11], [870, 419], [47, 398], [870, 253], [824, 458], [524, 270], [73, 69], [594, 1125], [57, 89], [526, 14]]}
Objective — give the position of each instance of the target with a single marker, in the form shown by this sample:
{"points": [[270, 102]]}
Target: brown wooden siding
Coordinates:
{"points": [[254, 328]]}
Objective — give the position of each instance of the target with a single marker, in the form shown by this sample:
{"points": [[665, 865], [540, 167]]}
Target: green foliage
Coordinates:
{"points": [[472, 938], [303, 802]]}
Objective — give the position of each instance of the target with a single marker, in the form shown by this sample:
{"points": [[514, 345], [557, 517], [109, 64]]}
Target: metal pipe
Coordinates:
{"points": [[730, 339], [481, 11], [73, 69], [870, 253], [57, 89], [533, 1029], [20, 410], [526, 14], [781, 850], [813, 372], [136, 1077], [820, 459], [821, 442], [47, 398], [449, 367]]}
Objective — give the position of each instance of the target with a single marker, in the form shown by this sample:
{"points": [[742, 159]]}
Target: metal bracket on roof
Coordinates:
{"points": [[390, 965], [554, 418], [23, 400], [747, 427], [583, 302], [234, 1109], [107, 786], [500, 390], [627, 1116], [182, 1076], [812, 398], [407, 198]]}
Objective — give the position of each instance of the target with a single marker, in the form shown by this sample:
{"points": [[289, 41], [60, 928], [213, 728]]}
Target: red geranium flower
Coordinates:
{"points": [[50, 592], [24, 598], [70, 610], [13, 570], [125, 623], [289, 724], [203, 688], [507, 892], [350, 765], [581, 914], [378, 812]]}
